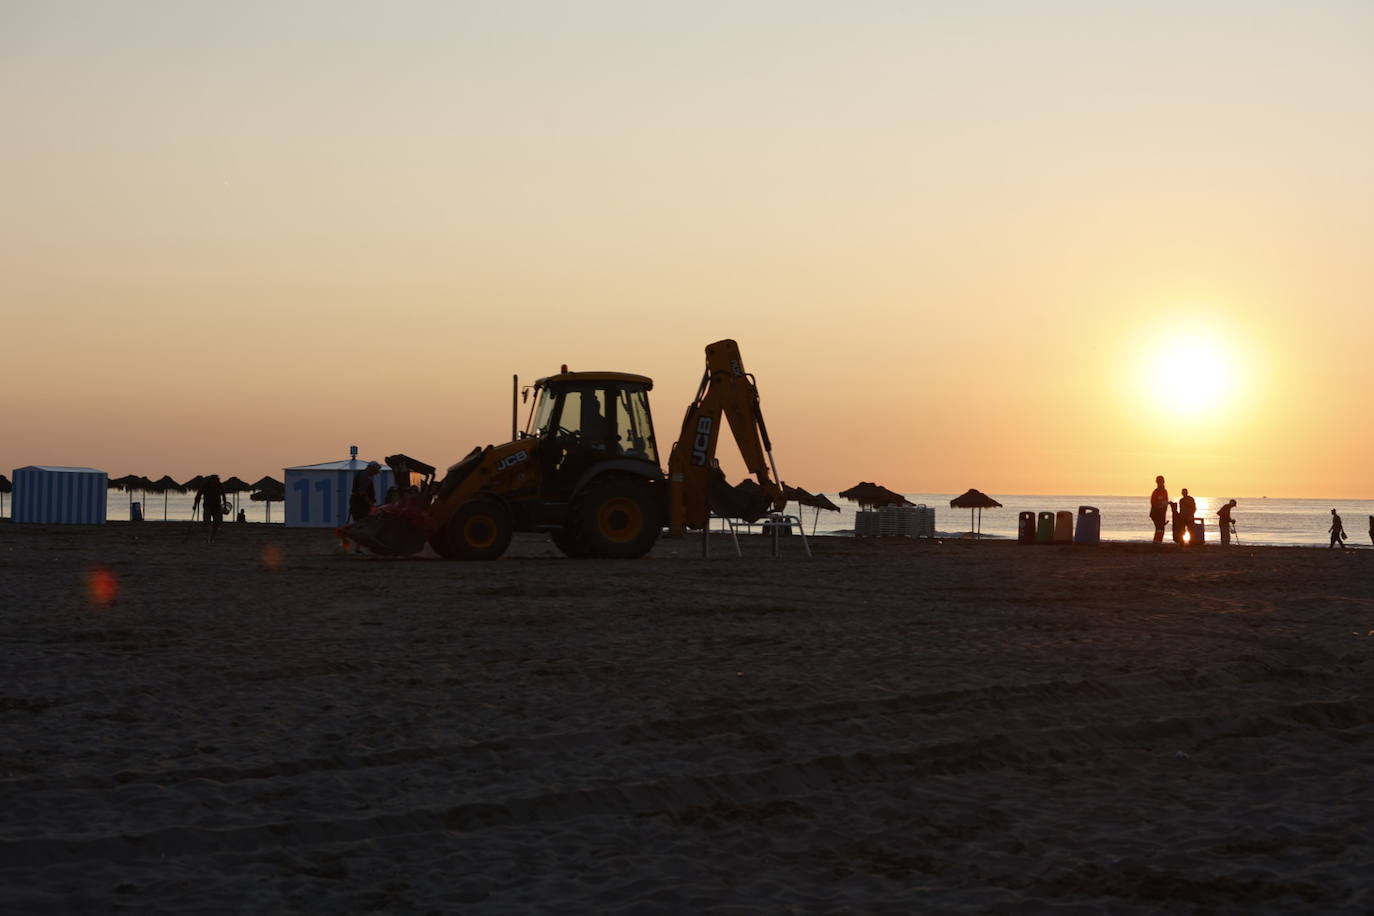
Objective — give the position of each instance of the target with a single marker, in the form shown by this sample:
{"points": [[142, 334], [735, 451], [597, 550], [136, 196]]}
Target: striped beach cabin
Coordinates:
{"points": [[45, 495]]}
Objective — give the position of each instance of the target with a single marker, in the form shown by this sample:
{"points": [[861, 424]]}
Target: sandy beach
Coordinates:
{"points": [[265, 725]]}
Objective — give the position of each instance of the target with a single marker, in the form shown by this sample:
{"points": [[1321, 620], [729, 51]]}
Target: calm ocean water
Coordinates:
{"points": [[1291, 522]]}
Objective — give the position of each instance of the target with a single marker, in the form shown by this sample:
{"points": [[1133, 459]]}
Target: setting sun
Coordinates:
{"points": [[1191, 376]]}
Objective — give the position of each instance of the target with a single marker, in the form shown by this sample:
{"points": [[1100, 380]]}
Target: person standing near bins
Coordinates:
{"points": [[1187, 509], [1337, 531], [1159, 506], [1224, 522], [210, 497], [364, 495], [1176, 523]]}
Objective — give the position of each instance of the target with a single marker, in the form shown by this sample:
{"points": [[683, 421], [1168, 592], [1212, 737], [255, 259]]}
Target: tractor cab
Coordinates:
{"points": [[585, 418]]}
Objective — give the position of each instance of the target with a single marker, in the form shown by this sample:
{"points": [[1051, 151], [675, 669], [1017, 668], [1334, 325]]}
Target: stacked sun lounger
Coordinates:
{"points": [[866, 524], [896, 522]]}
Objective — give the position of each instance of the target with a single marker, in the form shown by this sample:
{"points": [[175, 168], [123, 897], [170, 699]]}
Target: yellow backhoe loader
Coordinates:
{"points": [[586, 470]]}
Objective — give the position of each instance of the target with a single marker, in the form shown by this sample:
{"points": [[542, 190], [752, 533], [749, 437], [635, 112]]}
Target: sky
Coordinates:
{"points": [[1049, 247]]}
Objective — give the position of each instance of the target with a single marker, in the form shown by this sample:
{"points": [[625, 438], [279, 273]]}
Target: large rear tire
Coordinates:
{"points": [[480, 529], [614, 518]]}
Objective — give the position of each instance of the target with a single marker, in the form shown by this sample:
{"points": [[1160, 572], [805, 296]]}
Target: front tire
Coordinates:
{"points": [[480, 529], [614, 518]]}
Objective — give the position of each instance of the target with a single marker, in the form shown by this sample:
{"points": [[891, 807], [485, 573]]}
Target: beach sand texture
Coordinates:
{"points": [[891, 727]]}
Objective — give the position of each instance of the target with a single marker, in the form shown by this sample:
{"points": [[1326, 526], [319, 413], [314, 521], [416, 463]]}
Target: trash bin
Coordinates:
{"points": [[1089, 530], [1025, 528], [135, 512], [1199, 533], [1063, 527], [1044, 531]]}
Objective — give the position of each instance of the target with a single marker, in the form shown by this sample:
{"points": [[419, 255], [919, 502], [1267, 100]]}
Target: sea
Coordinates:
{"points": [[1259, 519]]}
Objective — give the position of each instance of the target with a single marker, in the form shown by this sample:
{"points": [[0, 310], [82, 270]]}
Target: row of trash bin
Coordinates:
{"points": [[1058, 527]]}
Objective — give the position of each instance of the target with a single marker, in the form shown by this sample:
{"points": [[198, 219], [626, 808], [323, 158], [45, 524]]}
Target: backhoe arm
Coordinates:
{"points": [[726, 392]]}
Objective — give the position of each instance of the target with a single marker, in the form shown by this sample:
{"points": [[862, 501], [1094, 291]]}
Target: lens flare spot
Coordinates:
{"points": [[271, 557], [101, 586]]}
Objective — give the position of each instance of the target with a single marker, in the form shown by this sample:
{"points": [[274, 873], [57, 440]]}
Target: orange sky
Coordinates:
{"points": [[957, 245]]}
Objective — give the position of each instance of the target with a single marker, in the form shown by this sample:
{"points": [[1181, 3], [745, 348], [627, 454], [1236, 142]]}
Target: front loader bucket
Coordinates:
{"points": [[392, 530]]}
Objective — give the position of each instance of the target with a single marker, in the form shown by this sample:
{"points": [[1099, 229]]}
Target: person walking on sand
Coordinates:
{"points": [[210, 497], [1159, 506], [1187, 510], [1225, 522], [1337, 531]]}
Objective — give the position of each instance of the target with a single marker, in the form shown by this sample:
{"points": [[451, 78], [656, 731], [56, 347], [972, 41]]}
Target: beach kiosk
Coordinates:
{"points": [[48, 495], [317, 494]]}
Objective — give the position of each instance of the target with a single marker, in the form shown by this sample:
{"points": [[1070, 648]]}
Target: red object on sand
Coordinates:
{"points": [[392, 528]]}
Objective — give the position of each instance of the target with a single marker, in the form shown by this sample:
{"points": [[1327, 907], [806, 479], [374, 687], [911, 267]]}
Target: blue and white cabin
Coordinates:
{"points": [[317, 494], [46, 495]]}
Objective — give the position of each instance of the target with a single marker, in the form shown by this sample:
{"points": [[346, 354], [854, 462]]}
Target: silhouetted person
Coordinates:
{"points": [[1187, 508], [1337, 531], [242, 516], [210, 498], [364, 495], [594, 426], [1159, 507], [1176, 523], [1371, 529], [1224, 522]]}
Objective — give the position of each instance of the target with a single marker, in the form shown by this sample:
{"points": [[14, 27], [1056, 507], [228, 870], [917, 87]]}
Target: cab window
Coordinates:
{"points": [[583, 417], [634, 430]]}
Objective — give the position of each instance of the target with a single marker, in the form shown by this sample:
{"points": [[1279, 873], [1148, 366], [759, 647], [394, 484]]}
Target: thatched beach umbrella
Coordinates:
{"points": [[871, 495], [145, 487], [975, 499], [268, 491], [128, 483], [807, 498], [236, 486], [816, 500], [164, 485]]}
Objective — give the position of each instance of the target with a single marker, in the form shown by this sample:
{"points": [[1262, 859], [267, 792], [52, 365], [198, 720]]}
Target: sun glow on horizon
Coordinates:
{"points": [[1191, 377]]}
